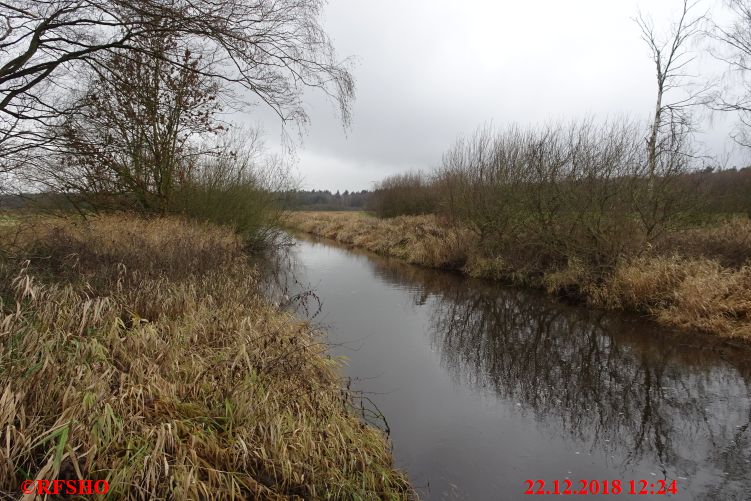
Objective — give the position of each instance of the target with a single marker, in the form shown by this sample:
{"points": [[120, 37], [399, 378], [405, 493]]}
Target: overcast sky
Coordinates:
{"points": [[429, 71]]}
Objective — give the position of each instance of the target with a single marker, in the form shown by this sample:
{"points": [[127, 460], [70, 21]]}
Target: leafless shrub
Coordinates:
{"points": [[411, 193], [540, 198]]}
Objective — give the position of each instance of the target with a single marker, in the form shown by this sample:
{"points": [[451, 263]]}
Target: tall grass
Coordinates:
{"points": [[421, 240], [694, 293], [139, 351]]}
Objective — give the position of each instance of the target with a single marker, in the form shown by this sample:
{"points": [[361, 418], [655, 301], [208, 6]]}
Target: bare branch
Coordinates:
{"points": [[274, 49]]}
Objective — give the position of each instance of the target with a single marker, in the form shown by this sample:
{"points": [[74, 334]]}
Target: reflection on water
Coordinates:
{"points": [[486, 386]]}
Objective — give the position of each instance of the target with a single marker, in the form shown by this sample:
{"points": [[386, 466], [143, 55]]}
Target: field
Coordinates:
{"points": [[141, 351], [698, 279]]}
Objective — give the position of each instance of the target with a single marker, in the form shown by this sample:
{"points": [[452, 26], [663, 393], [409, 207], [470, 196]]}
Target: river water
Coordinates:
{"points": [[484, 387]]}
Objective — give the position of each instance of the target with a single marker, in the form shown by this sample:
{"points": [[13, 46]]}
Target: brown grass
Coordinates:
{"points": [[421, 240], [728, 242], [139, 351], [704, 283], [692, 293]]}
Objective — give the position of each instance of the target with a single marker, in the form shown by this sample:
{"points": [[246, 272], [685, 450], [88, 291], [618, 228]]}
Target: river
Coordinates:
{"points": [[484, 387]]}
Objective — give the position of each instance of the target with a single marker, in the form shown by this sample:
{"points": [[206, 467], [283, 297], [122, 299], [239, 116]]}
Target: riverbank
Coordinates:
{"points": [[677, 285], [142, 352]]}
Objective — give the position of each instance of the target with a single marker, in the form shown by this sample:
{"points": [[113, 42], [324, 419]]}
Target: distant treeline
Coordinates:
{"points": [[725, 191], [34, 201], [324, 200]]}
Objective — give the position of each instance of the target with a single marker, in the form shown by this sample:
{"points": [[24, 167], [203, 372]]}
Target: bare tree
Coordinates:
{"points": [[735, 50], [273, 49], [671, 57], [132, 133], [669, 146]]}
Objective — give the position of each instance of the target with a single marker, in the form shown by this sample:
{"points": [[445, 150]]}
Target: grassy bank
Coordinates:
{"points": [[141, 352], [698, 279]]}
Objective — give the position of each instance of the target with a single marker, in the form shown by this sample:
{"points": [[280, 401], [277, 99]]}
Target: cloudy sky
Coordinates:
{"points": [[428, 71]]}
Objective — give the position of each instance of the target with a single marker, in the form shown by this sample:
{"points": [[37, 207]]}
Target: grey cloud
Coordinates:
{"points": [[428, 71]]}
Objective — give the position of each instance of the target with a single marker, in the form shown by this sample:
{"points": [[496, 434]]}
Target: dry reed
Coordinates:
{"points": [[421, 240], [140, 351]]}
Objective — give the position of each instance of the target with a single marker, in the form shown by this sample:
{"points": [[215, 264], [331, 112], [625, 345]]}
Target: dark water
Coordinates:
{"points": [[484, 387]]}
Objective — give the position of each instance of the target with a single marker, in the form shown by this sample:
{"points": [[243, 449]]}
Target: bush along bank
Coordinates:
{"points": [[683, 282]]}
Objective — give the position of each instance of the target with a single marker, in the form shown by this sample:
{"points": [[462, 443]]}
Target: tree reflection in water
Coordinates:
{"points": [[633, 393], [638, 391]]}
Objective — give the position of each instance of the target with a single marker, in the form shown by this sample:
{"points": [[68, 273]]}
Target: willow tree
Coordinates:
{"points": [[271, 49]]}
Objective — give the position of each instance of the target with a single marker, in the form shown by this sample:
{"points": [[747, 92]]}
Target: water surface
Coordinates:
{"points": [[485, 386]]}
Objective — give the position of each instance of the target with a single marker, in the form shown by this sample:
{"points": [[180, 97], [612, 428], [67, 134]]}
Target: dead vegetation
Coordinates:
{"points": [[697, 279], [140, 351], [421, 240], [694, 293]]}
